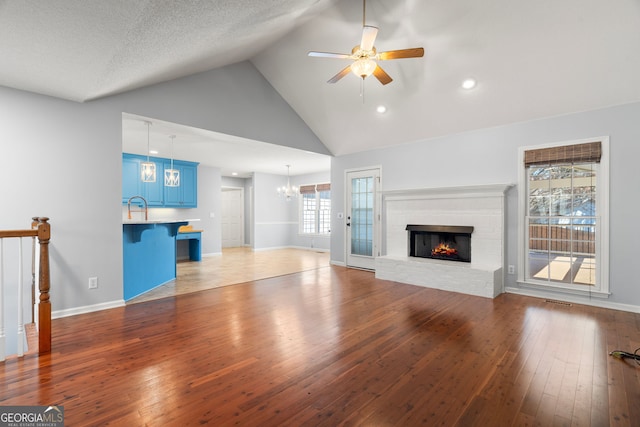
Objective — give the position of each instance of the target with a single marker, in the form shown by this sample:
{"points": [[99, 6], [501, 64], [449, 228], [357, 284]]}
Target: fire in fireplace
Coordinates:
{"points": [[446, 242]]}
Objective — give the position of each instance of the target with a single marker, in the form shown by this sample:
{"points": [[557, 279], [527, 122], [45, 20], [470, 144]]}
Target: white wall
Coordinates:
{"points": [[489, 156], [63, 160], [274, 218], [248, 212], [209, 202]]}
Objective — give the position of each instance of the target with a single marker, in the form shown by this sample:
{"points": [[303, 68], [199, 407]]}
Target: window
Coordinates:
{"points": [[315, 209], [564, 221]]}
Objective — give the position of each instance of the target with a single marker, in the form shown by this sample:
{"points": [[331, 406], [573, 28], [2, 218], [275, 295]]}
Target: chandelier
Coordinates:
{"points": [[290, 191]]}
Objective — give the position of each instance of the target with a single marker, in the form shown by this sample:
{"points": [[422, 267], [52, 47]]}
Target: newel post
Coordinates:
{"points": [[44, 307]]}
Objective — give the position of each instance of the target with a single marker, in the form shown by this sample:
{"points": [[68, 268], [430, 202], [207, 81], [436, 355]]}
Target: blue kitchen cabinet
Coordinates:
{"points": [[156, 194], [130, 171], [185, 195], [132, 184]]}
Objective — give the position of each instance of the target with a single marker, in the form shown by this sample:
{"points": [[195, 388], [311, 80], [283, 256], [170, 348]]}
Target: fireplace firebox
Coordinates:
{"points": [[445, 242]]}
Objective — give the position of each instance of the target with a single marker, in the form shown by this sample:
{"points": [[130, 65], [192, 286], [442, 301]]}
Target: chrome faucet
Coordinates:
{"points": [[146, 210]]}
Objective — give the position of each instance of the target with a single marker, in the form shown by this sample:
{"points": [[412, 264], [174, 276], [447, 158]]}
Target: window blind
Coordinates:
{"points": [[307, 189], [588, 152]]}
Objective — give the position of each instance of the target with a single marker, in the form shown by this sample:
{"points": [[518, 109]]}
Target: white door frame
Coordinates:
{"points": [[360, 261]]}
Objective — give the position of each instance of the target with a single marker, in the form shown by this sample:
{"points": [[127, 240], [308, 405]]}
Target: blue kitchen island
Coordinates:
{"points": [[149, 254]]}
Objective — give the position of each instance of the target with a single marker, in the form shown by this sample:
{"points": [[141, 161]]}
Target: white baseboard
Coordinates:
{"points": [[338, 263], [272, 248], [212, 254], [275, 248], [595, 302], [86, 309], [307, 248]]}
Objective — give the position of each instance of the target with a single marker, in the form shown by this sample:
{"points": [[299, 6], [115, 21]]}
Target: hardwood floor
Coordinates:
{"points": [[335, 346]]}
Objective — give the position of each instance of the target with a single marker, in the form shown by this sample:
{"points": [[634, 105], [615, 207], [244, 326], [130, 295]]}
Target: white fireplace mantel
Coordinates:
{"points": [[479, 206], [469, 191]]}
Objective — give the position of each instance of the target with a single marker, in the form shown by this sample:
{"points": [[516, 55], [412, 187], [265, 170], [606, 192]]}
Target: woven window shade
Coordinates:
{"points": [[307, 189], [588, 152], [323, 187]]}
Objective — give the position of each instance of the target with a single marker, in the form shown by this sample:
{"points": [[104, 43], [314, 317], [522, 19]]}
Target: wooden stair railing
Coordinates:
{"points": [[40, 229]]}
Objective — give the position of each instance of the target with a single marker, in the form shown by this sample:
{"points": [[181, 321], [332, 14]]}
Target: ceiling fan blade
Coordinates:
{"points": [[330, 55], [382, 75], [346, 70], [415, 52], [369, 34]]}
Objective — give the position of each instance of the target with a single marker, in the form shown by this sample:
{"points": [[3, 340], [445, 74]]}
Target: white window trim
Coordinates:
{"points": [[602, 237], [301, 215]]}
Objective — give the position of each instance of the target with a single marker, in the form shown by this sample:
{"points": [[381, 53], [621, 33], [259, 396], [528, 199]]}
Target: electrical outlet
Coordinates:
{"points": [[93, 283], [511, 269]]}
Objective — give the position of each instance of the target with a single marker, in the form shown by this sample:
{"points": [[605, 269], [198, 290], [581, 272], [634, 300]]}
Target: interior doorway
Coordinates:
{"points": [[232, 220]]}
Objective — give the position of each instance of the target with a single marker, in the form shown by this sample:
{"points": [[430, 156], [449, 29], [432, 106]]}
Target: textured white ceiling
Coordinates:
{"points": [[86, 49], [531, 59]]}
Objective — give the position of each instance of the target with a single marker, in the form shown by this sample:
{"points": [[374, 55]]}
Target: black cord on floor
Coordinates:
{"points": [[626, 355]]}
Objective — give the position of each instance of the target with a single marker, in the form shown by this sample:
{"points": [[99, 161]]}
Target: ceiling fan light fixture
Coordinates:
{"points": [[363, 67], [365, 55]]}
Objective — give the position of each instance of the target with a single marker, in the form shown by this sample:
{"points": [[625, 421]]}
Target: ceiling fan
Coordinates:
{"points": [[365, 55]]}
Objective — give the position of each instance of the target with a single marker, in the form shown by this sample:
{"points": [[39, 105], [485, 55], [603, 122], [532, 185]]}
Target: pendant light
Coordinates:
{"points": [[148, 168], [289, 192], [172, 176]]}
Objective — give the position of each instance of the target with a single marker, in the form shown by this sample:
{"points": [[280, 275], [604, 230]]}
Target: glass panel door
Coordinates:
{"points": [[363, 218]]}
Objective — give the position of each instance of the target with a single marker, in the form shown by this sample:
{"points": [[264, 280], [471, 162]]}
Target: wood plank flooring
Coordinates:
{"points": [[335, 346]]}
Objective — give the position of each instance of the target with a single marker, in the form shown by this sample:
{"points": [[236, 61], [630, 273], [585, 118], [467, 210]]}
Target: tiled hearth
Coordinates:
{"points": [[481, 207]]}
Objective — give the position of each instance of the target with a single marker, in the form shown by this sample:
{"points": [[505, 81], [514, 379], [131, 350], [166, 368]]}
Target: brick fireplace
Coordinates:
{"points": [[476, 211]]}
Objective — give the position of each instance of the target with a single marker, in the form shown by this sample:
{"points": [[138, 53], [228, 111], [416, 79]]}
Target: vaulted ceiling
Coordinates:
{"points": [[530, 59]]}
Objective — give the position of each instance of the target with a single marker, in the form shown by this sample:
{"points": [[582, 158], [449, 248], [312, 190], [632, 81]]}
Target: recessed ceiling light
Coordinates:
{"points": [[153, 151], [469, 84], [234, 173], [381, 109]]}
